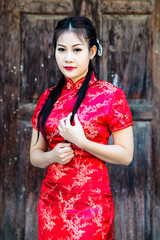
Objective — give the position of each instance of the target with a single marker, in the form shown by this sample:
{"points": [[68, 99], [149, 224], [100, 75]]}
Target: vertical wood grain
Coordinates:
{"points": [[25, 46], [29, 181], [127, 53], [1, 117], [11, 98], [38, 66], [156, 122], [131, 187], [79, 8]]}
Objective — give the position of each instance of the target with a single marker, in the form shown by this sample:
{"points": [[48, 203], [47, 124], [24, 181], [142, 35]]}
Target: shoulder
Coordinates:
{"points": [[41, 102], [108, 88], [45, 94], [47, 91], [43, 98]]}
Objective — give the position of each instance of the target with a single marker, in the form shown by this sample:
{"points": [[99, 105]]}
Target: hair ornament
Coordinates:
{"points": [[100, 50]]}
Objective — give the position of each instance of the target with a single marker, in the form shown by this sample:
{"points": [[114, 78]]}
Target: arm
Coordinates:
{"points": [[121, 152], [40, 157]]}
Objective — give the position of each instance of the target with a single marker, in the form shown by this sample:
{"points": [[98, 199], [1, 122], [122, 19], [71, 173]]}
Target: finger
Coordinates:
{"points": [[68, 120], [65, 162], [67, 150], [67, 159], [66, 155], [63, 145]]}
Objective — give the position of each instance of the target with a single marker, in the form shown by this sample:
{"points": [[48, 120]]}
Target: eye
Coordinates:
{"points": [[77, 50], [60, 49]]}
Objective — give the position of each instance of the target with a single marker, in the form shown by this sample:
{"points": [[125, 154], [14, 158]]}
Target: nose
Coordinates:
{"points": [[68, 57]]}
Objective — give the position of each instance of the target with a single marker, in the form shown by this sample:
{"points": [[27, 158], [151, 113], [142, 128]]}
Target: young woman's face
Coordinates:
{"points": [[73, 55]]}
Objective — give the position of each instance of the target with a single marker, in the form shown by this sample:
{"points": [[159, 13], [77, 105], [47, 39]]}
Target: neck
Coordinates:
{"points": [[76, 79]]}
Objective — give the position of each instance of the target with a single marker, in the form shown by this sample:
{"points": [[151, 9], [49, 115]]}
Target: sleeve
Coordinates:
{"points": [[120, 115], [41, 102]]}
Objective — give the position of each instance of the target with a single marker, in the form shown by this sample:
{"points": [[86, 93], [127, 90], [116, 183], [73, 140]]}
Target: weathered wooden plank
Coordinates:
{"points": [[38, 66], [62, 7], [127, 53], [56, 7], [93, 7], [131, 187], [1, 117], [47, 7], [133, 200], [29, 182], [79, 8], [142, 112], [130, 6], [11, 60], [26, 111], [156, 122]]}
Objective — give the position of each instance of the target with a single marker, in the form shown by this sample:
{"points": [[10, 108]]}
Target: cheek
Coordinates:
{"points": [[84, 61]]}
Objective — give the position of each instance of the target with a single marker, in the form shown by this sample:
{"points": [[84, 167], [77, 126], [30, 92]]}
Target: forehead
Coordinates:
{"points": [[71, 38]]}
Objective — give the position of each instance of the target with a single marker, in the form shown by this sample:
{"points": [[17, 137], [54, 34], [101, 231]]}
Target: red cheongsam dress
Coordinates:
{"points": [[75, 200]]}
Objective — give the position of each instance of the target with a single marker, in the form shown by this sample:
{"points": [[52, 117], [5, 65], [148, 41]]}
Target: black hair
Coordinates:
{"points": [[83, 27]]}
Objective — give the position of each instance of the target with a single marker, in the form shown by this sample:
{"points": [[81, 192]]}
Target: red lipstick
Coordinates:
{"points": [[69, 68]]}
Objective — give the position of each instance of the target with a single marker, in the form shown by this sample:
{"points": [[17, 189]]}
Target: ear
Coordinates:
{"points": [[93, 51]]}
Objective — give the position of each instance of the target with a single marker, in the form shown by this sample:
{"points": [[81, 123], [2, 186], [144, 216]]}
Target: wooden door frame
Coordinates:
{"points": [[11, 112]]}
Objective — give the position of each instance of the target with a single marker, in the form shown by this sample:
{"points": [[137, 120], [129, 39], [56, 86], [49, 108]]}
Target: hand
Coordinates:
{"points": [[62, 153], [74, 134]]}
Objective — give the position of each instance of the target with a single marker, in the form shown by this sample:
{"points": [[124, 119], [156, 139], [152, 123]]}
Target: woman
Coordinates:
{"points": [[75, 120]]}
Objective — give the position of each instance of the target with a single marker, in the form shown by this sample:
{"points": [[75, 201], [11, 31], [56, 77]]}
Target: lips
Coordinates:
{"points": [[69, 68]]}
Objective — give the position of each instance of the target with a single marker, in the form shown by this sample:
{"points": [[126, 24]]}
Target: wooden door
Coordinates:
{"points": [[129, 31]]}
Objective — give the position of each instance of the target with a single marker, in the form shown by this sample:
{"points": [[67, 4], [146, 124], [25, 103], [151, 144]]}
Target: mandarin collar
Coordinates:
{"points": [[71, 85]]}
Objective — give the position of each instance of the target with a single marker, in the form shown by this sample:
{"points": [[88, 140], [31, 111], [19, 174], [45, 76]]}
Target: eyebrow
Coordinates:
{"points": [[72, 46]]}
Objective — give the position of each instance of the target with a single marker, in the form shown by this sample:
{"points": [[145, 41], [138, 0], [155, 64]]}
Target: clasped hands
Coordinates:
{"points": [[63, 152]]}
